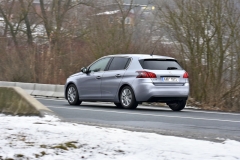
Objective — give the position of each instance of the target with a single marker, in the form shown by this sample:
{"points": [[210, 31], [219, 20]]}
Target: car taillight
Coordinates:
{"points": [[185, 75], [145, 74]]}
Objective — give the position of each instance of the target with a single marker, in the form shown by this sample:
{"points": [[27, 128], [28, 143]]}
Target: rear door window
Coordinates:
{"points": [[119, 63], [160, 64]]}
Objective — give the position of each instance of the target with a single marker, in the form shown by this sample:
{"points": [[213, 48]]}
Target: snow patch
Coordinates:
{"points": [[108, 12], [49, 138]]}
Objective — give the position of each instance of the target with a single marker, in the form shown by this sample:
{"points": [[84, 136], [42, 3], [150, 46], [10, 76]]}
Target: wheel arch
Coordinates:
{"points": [[65, 93], [122, 86]]}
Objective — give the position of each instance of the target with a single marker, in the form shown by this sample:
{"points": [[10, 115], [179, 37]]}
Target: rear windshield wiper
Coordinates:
{"points": [[171, 68]]}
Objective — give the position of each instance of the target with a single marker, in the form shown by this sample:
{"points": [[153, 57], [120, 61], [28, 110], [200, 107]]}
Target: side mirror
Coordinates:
{"points": [[84, 70]]}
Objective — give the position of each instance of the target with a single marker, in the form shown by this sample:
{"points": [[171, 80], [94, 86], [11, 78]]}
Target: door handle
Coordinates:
{"points": [[98, 77], [117, 75]]}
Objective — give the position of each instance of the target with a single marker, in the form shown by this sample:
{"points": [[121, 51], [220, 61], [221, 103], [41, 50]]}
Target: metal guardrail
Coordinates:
{"points": [[36, 89]]}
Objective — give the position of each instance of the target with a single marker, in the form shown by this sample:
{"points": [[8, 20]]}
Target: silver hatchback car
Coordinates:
{"points": [[130, 79]]}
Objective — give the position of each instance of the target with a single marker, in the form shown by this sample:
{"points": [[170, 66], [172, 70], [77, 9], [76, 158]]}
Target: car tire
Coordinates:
{"points": [[72, 95], [127, 98], [177, 106]]}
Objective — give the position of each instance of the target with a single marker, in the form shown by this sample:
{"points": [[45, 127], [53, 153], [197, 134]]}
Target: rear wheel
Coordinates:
{"points": [[127, 98], [72, 95], [177, 106]]}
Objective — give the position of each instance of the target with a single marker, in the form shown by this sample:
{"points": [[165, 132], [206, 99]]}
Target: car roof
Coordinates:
{"points": [[141, 56]]}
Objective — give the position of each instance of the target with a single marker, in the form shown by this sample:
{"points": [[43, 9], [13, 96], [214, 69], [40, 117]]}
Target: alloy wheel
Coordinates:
{"points": [[71, 94], [126, 97]]}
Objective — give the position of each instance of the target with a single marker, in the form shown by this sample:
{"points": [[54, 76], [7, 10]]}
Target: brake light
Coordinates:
{"points": [[145, 74], [185, 75]]}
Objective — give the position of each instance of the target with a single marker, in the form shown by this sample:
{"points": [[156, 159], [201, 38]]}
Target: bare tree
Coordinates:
{"points": [[204, 33], [25, 7], [120, 29], [58, 20]]}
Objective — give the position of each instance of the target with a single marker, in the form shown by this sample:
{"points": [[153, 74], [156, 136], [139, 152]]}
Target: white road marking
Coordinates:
{"points": [[142, 114], [148, 107]]}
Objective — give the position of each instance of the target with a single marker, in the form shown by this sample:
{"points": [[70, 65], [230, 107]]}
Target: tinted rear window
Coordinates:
{"points": [[119, 63], [160, 64]]}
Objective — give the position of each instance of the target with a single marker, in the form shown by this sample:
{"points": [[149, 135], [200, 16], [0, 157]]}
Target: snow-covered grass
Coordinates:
{"points": [[49, 138]]}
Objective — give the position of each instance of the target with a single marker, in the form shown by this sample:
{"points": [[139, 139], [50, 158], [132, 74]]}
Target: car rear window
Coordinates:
{"points": [[160, 64]]}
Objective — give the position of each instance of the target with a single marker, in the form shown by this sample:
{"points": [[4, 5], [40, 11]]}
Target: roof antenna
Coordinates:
{"points": [[152, 52], [153, 49]]}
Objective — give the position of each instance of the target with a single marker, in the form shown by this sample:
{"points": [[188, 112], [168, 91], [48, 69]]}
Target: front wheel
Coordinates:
{"points": [[177, 106], [127, 98], [72, 95]]}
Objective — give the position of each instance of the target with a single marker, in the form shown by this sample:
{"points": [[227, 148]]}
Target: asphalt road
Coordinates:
{"points": [[190, 123]]}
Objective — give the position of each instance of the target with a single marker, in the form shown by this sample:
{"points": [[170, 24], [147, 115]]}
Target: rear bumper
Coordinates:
{"points": [[148, 92]]}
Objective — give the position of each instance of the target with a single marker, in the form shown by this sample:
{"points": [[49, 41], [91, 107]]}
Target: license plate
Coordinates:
{"points": [[170, 79]]}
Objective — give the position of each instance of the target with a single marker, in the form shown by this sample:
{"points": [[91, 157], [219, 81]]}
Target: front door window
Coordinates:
{"points": [[99, 65]]}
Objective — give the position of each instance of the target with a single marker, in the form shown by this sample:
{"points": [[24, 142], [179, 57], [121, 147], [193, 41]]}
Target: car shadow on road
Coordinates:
{"points": [[113, 107]]}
